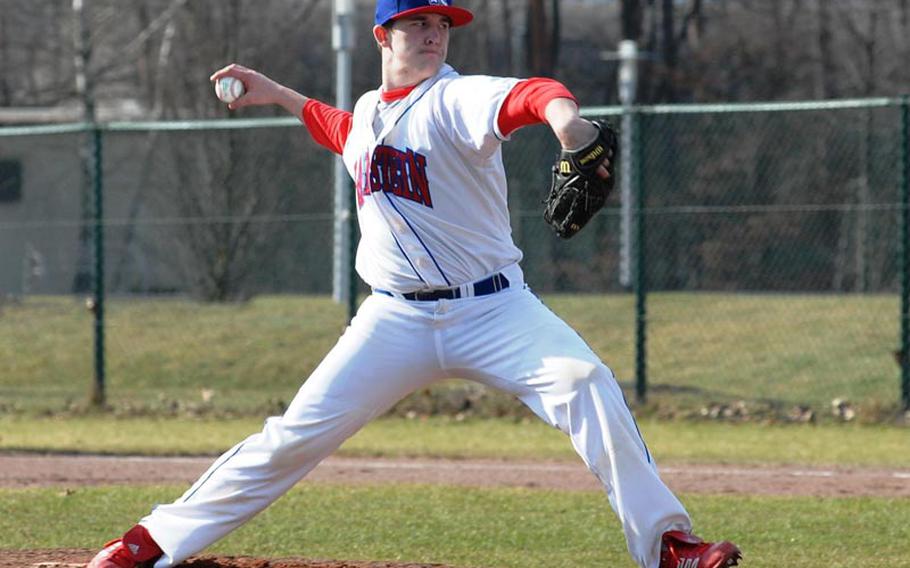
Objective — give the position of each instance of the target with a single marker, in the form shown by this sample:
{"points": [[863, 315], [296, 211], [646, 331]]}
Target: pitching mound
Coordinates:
{"points": [[77, 558]]}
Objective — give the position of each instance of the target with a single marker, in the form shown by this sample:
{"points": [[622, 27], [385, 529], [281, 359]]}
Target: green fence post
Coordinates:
{"points": [[98, 395], [641, 281], [905, 253]]}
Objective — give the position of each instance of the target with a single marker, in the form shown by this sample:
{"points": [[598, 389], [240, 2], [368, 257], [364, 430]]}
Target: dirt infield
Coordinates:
{"points": [[75, 471], [23, 470]]}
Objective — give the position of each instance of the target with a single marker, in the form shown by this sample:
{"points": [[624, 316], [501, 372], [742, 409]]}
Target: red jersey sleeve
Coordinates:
{"points": [[328, 125], [526, 102]]}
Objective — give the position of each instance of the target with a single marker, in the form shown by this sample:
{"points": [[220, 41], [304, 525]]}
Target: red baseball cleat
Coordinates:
{"points": [[683, 550], [136, 549]]}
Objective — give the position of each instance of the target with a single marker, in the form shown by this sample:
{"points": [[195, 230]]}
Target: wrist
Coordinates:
{"points": [[290, 100], [571, 130]]}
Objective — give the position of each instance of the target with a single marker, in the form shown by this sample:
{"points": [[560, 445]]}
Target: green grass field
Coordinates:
{"points": [[250, 358], [831, 445], [478, 527], [189, 378]]}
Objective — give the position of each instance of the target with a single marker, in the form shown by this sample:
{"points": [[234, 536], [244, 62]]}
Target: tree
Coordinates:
{"points": [[85, 91], [631, 16], [543, 37], [228, 181]]}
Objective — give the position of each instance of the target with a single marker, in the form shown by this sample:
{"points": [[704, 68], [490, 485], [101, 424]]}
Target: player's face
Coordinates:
{"points": [[421, 42]]}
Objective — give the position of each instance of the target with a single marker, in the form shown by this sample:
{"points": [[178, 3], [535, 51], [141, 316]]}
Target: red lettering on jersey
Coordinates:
{"points": [[420, 185], [384, 168], [397, 181], [403, 174], [375, 175]]}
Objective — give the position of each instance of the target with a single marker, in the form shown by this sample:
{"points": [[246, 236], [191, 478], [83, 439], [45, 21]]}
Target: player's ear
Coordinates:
{"points": [[381, 35]]}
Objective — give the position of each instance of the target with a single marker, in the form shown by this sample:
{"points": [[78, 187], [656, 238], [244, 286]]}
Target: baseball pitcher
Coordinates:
{"points": [[449, 299]]}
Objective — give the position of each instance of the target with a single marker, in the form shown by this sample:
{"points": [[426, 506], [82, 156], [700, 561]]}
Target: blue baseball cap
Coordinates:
{"points": [[388, 10]]}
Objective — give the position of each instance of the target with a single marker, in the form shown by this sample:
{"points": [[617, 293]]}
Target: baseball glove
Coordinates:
{"points": [[577, 192]]}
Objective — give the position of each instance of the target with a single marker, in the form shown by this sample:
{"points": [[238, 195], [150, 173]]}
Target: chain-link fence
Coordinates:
{"points": [[773, 253], [763, 264]]}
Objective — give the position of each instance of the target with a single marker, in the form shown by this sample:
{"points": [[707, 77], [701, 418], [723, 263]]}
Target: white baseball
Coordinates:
{"points": [[229, 89]]}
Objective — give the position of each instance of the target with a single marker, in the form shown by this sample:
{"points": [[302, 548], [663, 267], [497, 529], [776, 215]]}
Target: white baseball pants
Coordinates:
{"points": [[508, 340]]}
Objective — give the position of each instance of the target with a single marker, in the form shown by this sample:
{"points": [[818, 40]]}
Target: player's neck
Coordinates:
{"points": [[402, 78]]}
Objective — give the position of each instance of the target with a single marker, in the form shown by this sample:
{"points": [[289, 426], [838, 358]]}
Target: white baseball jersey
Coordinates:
{"points": [[431, 187]]}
